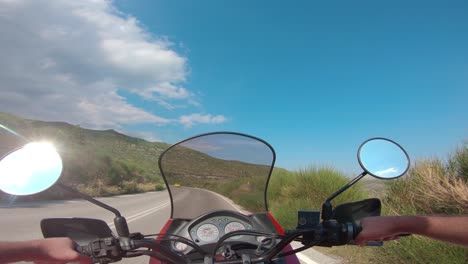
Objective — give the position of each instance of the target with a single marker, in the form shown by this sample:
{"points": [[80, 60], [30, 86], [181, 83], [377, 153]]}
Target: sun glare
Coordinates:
{"points": [[31, 169]]}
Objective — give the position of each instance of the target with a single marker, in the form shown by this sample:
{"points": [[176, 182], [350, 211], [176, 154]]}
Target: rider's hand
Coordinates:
{"points": [[378, 228], [453, 229], [49, 250], [59, 250]]}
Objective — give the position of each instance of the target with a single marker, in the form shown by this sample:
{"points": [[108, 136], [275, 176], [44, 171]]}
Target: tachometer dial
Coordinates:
{"points": [[233, 226], [207, 232]]}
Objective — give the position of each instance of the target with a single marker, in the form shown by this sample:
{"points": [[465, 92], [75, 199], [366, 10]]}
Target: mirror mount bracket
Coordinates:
{"points": [[119, 221], [327, 207]]}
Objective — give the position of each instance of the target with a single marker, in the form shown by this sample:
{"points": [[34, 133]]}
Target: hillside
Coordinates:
{"points": [[185, 164], [97, 162]]}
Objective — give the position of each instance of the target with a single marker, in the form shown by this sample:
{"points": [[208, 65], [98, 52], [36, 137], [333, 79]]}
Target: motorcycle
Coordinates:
{"points": [[202, 174]]}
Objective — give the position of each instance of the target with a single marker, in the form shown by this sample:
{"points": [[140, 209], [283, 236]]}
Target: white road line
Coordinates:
{"points": [[230, 202], [141, 214], [304, 259]]}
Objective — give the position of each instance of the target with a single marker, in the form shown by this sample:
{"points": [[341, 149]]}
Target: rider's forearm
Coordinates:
{"points": [[453, 229], [19, 251]]}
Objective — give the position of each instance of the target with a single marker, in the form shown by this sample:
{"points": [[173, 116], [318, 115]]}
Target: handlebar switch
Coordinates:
{"points": [[307, 219], [137, 236], [105, 250]]}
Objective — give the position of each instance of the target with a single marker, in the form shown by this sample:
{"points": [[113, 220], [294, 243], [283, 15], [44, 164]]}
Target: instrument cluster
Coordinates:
{"points": [[210, 230]]}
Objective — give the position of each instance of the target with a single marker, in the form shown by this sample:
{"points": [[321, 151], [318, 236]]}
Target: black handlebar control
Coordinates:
{"points": [[104, 250]]}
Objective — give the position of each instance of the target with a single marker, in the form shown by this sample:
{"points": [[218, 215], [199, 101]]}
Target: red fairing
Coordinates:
{"points": [[277, 225], [163, 231], [292, 259]]}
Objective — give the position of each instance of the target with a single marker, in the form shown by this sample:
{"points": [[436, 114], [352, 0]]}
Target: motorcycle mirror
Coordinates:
{"points": [[30, 169], [378, 157], [37, 166], [383, 158]]}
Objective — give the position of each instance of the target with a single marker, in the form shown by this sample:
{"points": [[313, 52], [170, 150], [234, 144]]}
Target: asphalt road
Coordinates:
{"points": [[145, 213]]}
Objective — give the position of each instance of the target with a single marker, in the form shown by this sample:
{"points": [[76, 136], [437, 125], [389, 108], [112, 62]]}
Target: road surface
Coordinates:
{"points": [[145, 213]]}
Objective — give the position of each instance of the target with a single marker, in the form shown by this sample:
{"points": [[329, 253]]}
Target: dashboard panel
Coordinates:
{"points": [[212, 229], [207, 230]]}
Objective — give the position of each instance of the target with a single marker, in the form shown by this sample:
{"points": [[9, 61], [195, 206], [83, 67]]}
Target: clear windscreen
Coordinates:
{"points": [[219, 171]]}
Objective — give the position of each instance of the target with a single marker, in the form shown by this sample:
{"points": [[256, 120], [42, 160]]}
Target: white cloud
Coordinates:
{"points": [[193, 119], [109, 108], [167, 91], [66, 60], [388, 172]]}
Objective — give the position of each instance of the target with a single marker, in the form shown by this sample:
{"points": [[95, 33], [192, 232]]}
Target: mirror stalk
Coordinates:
{"points": [[327, 208], [119, 221]]}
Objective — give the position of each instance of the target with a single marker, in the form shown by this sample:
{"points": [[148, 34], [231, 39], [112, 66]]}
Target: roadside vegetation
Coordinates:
{"points": [[307, 189], [430, 187]]}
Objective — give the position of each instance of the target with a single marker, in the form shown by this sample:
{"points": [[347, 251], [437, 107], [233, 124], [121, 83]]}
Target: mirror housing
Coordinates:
{"points": [[353, 212], [80, 230], [37, 166], [31, 169], [383, 158]]}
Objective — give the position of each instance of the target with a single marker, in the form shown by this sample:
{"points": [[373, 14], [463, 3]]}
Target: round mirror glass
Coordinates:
{"points": [[383, 158], [30, 169]]}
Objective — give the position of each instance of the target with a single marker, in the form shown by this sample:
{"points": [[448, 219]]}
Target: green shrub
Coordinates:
{"points": [[129, 187], [306, 189], [430, 187], [159, 187], [458, 162]]}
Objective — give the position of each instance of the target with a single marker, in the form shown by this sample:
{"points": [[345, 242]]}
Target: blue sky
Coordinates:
{"points": [[314, 79]]}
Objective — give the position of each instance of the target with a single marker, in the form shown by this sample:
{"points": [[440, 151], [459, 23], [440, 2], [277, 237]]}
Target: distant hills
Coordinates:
{"points": [[106, 162], [98, 162]]}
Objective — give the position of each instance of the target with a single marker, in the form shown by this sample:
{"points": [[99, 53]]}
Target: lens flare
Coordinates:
{"points": [[31, 169]]}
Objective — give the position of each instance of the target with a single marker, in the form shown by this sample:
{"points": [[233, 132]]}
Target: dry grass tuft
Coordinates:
{"points": [[430, 187]]}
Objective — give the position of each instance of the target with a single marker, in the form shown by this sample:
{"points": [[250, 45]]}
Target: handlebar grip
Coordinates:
{"points": [[374, 244], [84, 250], [357, 230]]}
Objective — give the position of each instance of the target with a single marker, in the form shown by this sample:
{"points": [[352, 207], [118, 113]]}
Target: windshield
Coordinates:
{"points": [[213, 171]]}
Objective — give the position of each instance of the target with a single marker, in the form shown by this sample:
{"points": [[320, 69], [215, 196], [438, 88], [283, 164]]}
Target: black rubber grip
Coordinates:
{"points": [[374, 244], [357, 230], [84, 250]]}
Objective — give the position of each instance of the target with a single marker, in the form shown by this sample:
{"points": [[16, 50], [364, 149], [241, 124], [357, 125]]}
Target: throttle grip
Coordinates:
{"points": [[357, 230], [84, 250]]}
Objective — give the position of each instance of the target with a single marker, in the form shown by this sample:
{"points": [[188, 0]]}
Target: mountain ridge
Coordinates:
{"points": [[97, 162]]}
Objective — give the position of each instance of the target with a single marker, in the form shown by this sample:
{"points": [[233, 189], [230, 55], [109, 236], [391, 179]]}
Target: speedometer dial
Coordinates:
{"points": [[207, 232]]}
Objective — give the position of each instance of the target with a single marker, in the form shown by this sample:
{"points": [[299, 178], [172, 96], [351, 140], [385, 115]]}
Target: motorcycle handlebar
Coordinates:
{"points": [[330, 233]]}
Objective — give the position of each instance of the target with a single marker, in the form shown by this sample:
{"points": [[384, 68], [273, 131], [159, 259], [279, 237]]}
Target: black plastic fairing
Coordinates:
{"points": [[80, 230]]}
